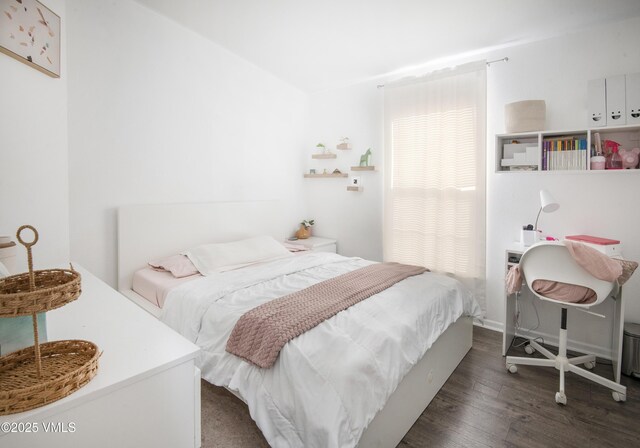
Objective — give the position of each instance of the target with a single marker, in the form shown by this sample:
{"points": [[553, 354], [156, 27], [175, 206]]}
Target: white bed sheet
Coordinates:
{"points": [[327, 384]]}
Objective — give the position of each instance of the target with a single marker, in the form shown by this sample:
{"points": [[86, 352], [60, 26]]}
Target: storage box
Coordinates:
{"points": [[509, 149], [525, 116], [520, 154]]}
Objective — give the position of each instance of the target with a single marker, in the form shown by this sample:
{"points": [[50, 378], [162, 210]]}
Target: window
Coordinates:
{"points": [[435, 173]]}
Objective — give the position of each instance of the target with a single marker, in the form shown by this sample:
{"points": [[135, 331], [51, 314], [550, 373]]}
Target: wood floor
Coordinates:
{"points": [[481, 405]]}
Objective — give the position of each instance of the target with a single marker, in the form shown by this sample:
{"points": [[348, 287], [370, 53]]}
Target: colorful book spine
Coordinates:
{"points": [[564, 153]]}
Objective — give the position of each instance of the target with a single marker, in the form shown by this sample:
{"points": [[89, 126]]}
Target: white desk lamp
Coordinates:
{"points": [[548, 204]]}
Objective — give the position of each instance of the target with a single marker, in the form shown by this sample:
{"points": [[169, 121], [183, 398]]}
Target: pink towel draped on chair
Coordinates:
{"points": [[596, 263], [513, 282]]}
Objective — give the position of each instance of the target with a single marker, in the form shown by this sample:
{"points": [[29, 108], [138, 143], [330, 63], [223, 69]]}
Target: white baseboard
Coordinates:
{"points": [[489, 325], [550, 339]]}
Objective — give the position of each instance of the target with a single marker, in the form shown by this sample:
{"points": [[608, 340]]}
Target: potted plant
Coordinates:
{"points": [[305, 229], [322, 149]]}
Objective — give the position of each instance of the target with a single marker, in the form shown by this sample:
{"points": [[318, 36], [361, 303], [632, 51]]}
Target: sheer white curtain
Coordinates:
{"points": [[434, 211]]}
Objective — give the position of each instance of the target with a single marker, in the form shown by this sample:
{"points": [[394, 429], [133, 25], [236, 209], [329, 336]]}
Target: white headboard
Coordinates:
{"points": [[146, 232]]}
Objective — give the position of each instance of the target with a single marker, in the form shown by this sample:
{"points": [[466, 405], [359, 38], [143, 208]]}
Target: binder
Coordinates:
{"points": [[597, 106], [633, 98], [616, 100]]}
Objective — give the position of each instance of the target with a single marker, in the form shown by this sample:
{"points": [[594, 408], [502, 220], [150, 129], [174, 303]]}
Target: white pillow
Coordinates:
{"points": [[3, 271], [210, 259]]}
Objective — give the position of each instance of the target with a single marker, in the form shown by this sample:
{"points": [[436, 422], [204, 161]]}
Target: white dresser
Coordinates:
{"points": [[146, 392]]}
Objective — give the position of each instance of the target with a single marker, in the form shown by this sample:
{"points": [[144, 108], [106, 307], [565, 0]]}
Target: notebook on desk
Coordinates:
{"points": [[592, 239], [609, 247]]}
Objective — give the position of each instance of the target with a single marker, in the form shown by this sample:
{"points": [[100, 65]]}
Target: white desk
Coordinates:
{"points": [[147, 389], [510, 318]]}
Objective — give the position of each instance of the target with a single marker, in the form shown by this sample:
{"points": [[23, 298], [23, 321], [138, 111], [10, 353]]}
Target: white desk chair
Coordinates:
{"points": [[552, 261]]}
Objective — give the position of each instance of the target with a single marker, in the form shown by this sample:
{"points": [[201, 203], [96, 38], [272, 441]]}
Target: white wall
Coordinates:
{"points": [[158, 114], [601, 204], [555, 70], [33, 155], [353, 218]]}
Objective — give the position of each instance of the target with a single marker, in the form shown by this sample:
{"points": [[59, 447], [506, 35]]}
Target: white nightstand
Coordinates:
{"points": [[319, 244]]}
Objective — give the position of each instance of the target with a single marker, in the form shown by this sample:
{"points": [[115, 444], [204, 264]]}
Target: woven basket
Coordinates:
{"points": [[53, 289], [66, 367], [38, 375]]}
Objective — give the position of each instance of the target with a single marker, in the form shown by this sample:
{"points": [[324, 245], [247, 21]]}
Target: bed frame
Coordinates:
{"points": [[146, 232]]}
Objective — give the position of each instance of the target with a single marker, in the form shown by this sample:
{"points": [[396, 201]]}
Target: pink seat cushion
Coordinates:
{"points": [[564, 292]]}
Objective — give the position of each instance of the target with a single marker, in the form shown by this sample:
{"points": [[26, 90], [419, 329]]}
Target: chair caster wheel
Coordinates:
{"points": [[512, 368], [589, 365], [561, 398], [529, 350], [619, 397]]}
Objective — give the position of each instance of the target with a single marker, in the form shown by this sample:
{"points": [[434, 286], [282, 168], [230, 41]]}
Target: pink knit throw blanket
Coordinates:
{"points": [[260, 333]]}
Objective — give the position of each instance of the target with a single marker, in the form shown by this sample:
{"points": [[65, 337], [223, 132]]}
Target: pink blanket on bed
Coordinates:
{"points": [[260, 333]]}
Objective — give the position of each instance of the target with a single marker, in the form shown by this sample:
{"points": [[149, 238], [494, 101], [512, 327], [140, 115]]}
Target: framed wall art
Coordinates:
{"points": [[30, 33]]}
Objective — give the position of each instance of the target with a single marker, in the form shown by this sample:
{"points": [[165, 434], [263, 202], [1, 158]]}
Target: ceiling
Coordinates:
{"points": [[330, 43]]}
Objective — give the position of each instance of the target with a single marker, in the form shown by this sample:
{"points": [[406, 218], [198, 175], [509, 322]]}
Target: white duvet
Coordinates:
{"points": [[327, 384]]}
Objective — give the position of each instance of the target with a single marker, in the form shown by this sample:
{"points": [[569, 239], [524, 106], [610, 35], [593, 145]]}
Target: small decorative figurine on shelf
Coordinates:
{"points": [[365, 158], [337, 171], [312, 171], [322, 149], [629, 157], [305, 229], [344, 143], [354, 184]]}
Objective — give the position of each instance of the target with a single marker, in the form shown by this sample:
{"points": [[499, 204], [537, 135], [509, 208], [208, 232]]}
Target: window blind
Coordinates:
{"points": [[435, 174]]}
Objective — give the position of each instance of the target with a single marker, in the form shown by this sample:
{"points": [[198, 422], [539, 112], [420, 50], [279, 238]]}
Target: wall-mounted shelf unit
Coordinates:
{"points": [[558, 151], [363, 168], [323, 156], [353, 188], [328, 175]]}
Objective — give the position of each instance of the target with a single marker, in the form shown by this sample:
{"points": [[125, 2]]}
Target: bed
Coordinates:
{"points": [[394, 395]]}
